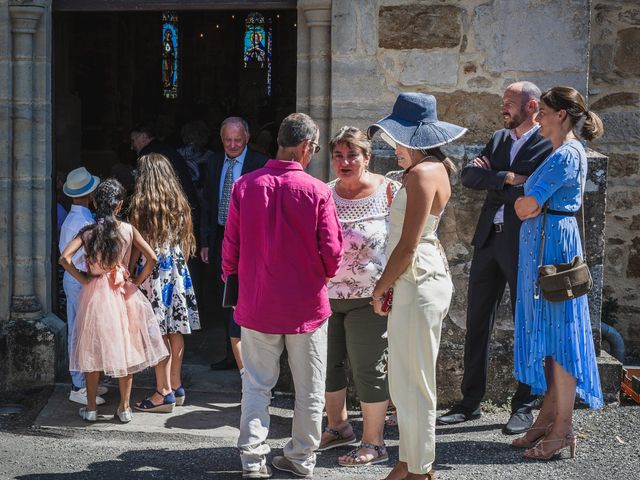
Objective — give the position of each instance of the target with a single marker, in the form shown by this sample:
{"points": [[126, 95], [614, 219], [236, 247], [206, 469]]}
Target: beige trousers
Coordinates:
{"points": [[261, 353], [421, 300]]}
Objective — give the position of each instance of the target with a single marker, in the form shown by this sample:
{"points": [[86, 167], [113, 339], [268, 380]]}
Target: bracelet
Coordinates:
{"points": [[381, 298]]}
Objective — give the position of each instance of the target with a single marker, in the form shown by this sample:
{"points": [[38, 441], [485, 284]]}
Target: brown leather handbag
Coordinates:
{"points": [[563, 281]]}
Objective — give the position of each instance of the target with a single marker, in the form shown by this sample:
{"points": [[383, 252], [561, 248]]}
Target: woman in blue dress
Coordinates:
{"points": [[553, 347]]}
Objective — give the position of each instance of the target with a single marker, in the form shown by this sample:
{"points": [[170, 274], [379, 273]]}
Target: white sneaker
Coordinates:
{"points": [[80, 396], [87, 415], [102, 389], [125, 416]]}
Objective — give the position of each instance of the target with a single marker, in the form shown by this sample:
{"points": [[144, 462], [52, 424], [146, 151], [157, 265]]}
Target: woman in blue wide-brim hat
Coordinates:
{"points": [[418, 273]]}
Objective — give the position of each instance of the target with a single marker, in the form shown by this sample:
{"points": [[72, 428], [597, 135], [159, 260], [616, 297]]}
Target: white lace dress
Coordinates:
{"points": [[365, 225]]}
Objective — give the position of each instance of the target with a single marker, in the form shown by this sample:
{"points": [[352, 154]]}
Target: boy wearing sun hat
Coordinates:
{"points": [[79, 187]]}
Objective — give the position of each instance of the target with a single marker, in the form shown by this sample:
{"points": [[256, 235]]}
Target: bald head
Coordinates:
{"points": [[234, 133], [526, 90], [520, 104]]}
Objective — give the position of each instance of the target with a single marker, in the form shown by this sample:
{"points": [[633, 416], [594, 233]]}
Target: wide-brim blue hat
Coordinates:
{"points": [[414, 123], [80, 183]]}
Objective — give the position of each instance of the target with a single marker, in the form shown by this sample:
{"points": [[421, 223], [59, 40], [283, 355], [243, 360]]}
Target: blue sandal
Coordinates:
{"points": [[180, 395], [165, 407]]}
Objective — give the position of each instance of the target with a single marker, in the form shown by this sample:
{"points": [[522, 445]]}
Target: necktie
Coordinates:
{"points": [[223, 208]]}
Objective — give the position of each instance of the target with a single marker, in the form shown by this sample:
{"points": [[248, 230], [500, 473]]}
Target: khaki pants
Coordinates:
{"points": [[421, 300], [307, 355]]}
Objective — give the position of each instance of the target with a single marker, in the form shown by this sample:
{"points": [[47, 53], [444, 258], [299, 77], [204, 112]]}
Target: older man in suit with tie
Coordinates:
{"points": [[223, 170], [511, 155]]}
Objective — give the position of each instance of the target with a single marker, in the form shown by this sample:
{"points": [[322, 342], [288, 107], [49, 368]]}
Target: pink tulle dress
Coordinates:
{"points": [[116, 329]]}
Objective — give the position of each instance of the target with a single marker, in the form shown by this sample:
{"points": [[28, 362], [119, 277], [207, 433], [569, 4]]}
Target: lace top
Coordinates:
{"points": [[365, 223]]}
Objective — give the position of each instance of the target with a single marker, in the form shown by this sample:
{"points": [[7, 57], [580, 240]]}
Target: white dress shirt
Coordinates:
{"points": [[515, 148], [76, 220]]}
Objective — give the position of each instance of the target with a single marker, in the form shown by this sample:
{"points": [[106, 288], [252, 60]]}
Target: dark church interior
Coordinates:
{"points": [[108, 77]]}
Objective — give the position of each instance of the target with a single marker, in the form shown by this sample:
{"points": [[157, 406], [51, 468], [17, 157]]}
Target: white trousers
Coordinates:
{"points": [[421, 300], [72, 288], [261, 353]]}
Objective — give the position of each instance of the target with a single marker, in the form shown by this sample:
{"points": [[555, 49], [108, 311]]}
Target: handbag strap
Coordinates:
{"points": [[583, 239]]}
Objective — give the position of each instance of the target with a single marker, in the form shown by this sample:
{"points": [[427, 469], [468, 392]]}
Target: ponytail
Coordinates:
{"points": [[446, 161], [592, 127], [588, 124]]}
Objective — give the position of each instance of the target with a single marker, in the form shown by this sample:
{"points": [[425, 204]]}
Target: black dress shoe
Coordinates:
{"points": [[458, 414], [519, 422], [225, 364]]}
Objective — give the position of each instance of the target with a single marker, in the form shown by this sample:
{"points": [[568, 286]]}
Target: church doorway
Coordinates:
{"points": [[114, 69]]}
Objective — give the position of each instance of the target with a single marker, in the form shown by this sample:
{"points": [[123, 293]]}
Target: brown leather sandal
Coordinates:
{"points": [[338, 441], [380, 456]]}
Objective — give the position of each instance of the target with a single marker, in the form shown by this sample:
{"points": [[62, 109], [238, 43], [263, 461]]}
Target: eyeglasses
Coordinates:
{"points": [[316, 149]]}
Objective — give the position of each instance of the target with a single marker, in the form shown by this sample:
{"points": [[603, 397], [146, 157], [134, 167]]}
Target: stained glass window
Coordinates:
{"points": [[170, 55], [258, 44], [255, 41]]}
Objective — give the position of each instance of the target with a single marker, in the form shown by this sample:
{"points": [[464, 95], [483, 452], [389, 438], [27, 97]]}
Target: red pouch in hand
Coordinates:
{"points": [[387, 301]]}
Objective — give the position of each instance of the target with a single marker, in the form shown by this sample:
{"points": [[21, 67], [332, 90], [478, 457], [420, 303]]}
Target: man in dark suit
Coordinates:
{"points": [[223, 170], [143, 142], [504, 165]]}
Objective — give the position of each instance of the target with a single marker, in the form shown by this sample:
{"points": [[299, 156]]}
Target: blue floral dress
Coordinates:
{"points": [[561, 330], [170, 290]]}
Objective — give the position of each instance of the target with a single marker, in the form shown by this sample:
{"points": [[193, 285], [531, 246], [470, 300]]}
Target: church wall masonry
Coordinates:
{"points": [[614, 88], [465, 53]]}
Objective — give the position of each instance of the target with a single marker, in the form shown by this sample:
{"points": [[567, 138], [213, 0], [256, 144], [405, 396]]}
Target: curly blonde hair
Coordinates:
{"points": [[159, 208]]}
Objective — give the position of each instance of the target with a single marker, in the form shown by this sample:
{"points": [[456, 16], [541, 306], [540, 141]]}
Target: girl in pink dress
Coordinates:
{"points": [[116, 329]]}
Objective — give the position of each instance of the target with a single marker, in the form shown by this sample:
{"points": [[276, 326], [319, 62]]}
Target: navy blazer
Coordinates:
{"points": [[211, 192], [529, 157]]}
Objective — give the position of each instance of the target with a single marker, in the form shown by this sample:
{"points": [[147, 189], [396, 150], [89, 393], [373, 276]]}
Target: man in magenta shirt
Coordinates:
{"points": [[284, 251]]}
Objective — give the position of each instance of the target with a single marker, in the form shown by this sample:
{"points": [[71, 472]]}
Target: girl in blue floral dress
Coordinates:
{"points": [[160, 208], [553, 349]]}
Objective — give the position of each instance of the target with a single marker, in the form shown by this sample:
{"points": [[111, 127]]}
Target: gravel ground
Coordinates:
{"points": [[608, 447]]}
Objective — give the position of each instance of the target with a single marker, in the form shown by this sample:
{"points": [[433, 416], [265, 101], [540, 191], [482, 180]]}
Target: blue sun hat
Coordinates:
{"points": [[414, 123]]}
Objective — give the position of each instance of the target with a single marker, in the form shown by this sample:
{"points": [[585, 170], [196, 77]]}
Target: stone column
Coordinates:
{"points": [[32, 342], [24, 20], [317, 17]]}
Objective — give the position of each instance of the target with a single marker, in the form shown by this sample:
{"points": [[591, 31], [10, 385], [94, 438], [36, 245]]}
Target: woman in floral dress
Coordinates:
{"points": [[160, 209], [355, 332]]}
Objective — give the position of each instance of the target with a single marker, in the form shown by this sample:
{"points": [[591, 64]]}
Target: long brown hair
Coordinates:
{"points": [[159, 208], [571, 101]]}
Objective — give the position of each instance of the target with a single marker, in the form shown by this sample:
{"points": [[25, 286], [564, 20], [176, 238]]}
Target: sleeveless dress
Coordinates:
{"points": [[421, 298], [561, 330], [170, 290], [116, 329]]}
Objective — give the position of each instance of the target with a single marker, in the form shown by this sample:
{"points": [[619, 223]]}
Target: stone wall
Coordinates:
{"points": [[465, 53], [614, 90], [31, 338]]}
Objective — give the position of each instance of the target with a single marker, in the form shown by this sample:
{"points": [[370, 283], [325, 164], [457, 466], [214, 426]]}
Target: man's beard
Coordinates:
{"points": [[514, 121]]}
